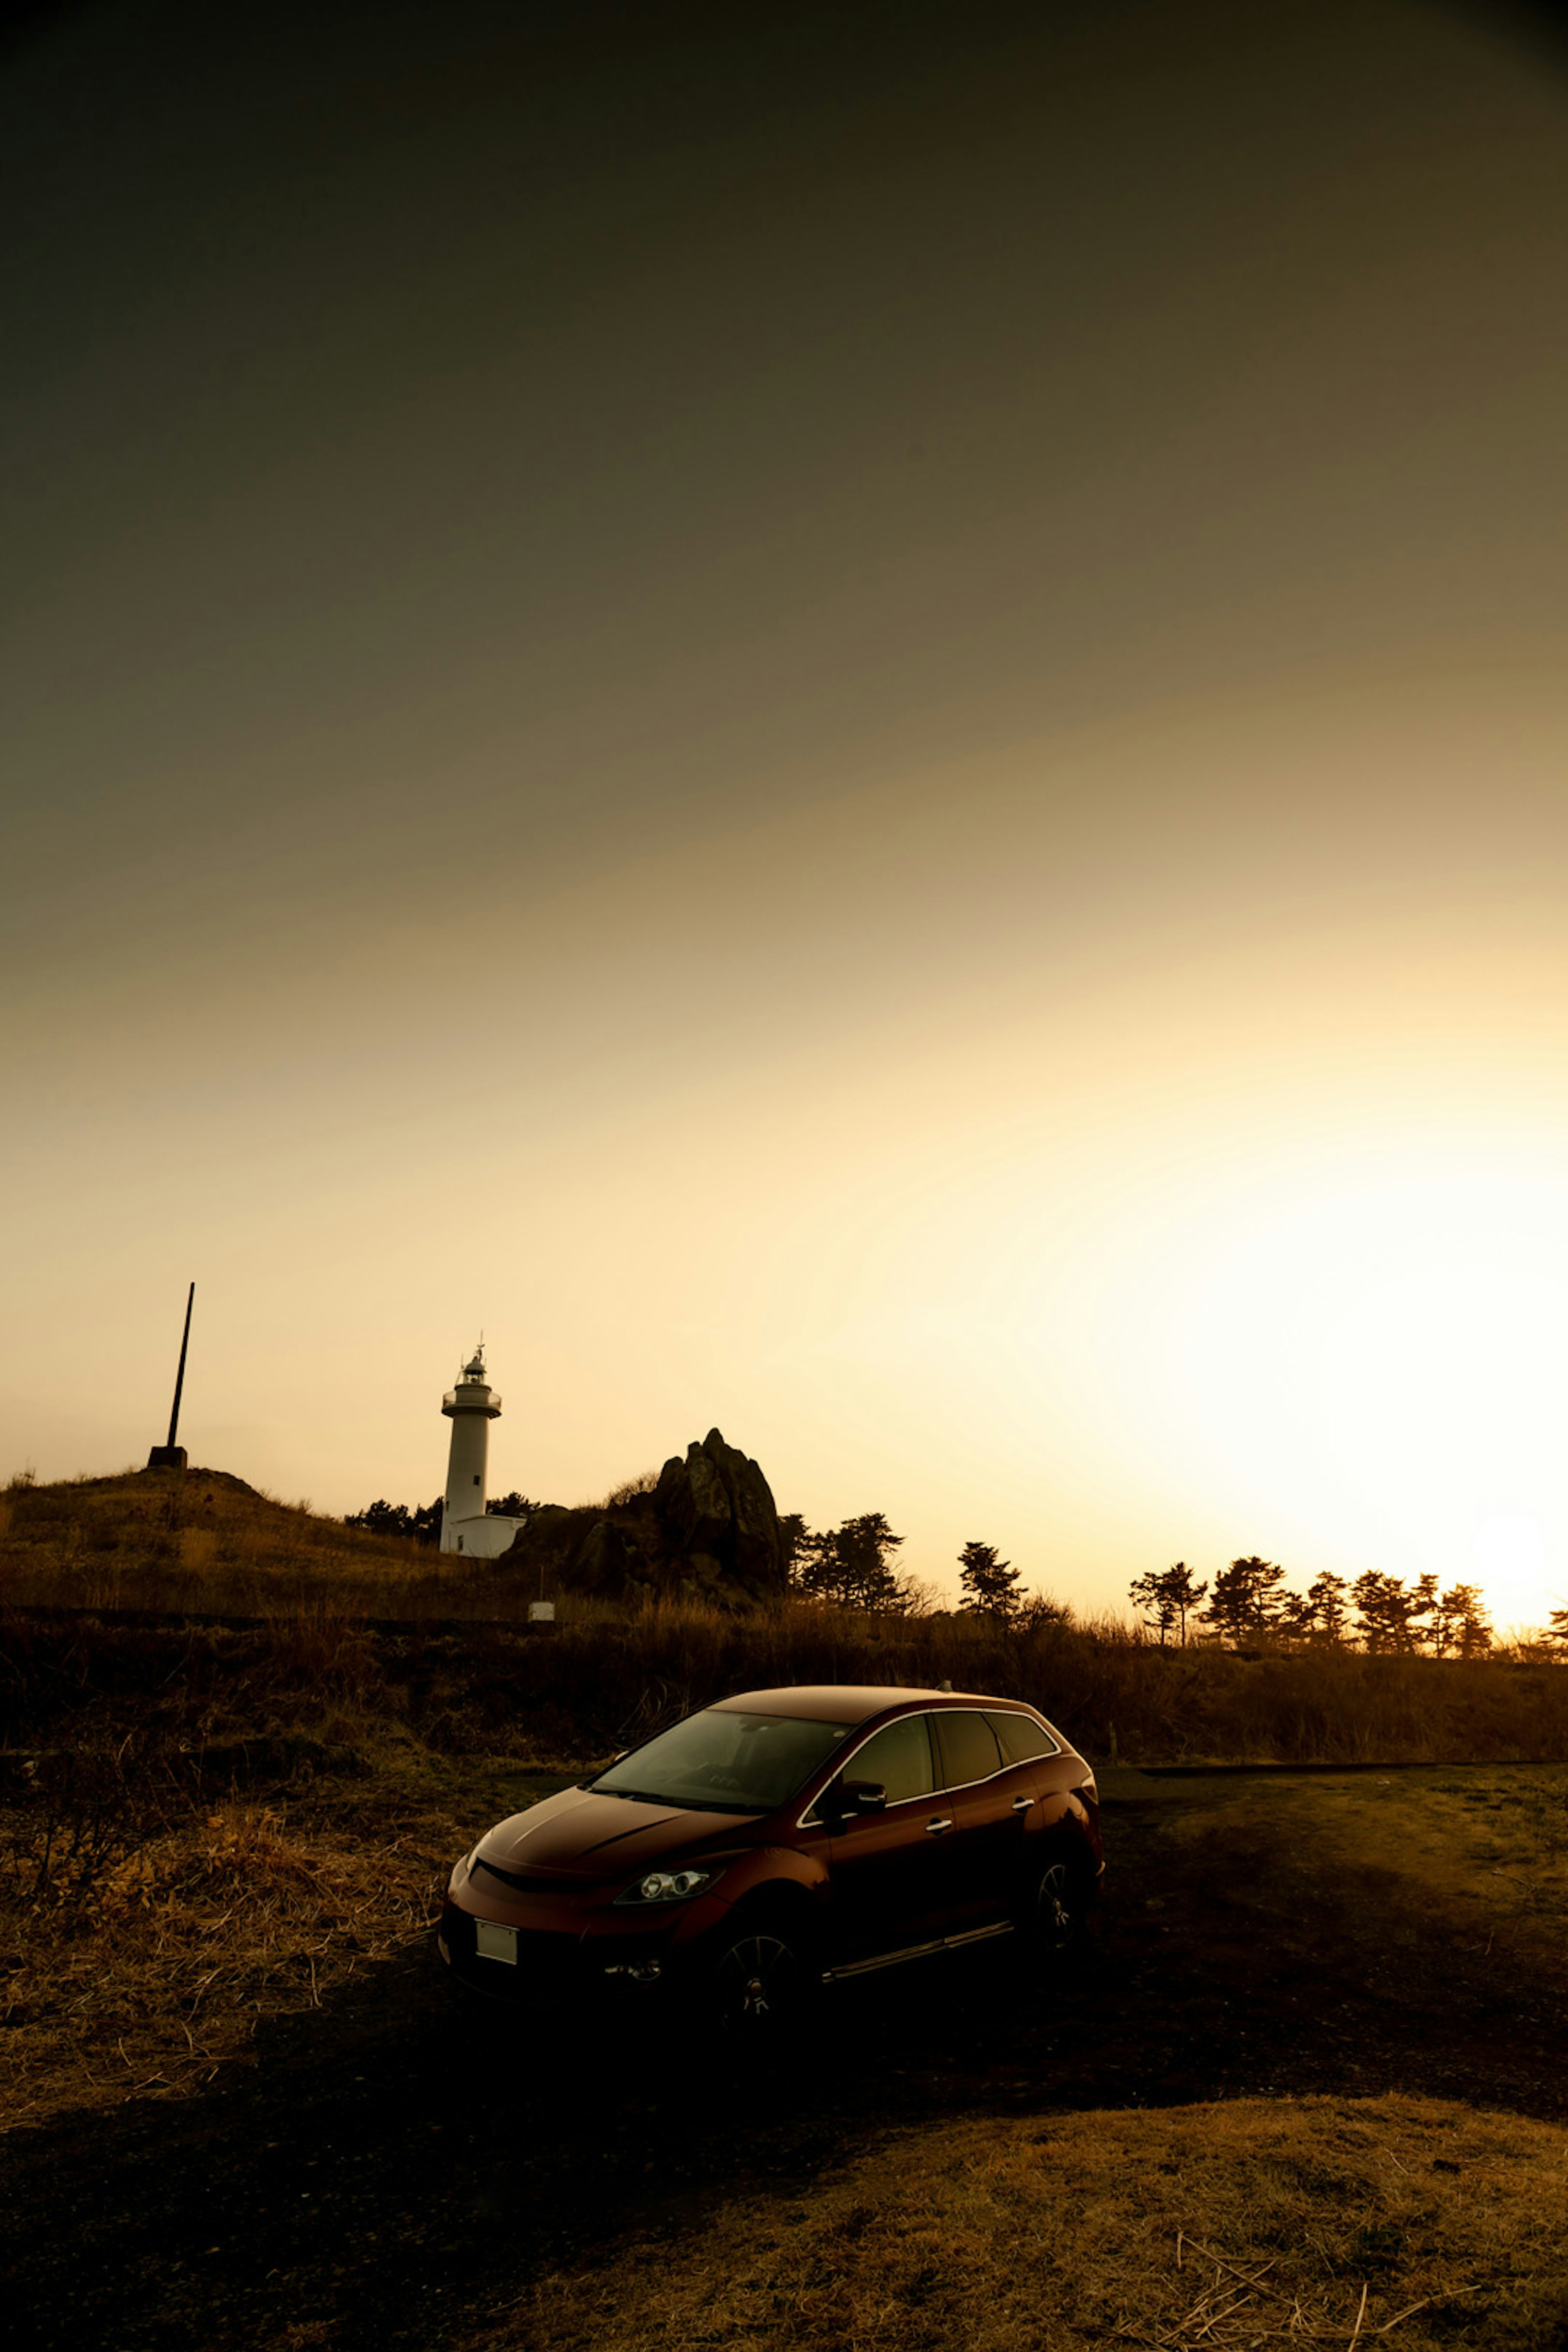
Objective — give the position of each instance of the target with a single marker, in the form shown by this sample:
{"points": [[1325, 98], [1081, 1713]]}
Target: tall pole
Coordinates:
{"points": [[180, 1375]]}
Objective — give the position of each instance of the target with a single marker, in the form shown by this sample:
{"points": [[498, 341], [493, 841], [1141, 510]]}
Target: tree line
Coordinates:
{"points": [[852, 1566], [1249, 1601], [422, 1523], [855, 1566]]}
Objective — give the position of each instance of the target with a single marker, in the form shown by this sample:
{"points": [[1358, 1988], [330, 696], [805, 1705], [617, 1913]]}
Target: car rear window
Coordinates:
{"points": [[900, 1756], [724, 1761], [1021, 1738], [968, 1749]]}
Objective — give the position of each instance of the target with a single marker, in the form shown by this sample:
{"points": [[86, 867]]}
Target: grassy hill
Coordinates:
{"points": [[145, 1539]]}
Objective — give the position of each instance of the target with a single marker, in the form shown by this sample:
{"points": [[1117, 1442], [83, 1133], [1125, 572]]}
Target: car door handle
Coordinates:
{"points": [[934, 1827], [1022, 1804]]}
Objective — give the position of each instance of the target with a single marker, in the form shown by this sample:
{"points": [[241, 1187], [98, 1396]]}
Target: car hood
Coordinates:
{"points": [[581, 1834]]}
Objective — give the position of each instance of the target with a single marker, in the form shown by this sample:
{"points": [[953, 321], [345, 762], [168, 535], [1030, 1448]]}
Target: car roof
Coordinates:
{"points": [[851, 1702]]}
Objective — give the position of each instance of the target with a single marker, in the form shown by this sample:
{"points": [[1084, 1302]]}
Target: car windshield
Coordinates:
{"points": [[725, 1761]]}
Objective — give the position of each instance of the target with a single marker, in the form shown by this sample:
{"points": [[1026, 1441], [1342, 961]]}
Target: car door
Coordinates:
{"points": [[888, 1870], [1056, 1774], [990, 1801], [1048, 1768]]}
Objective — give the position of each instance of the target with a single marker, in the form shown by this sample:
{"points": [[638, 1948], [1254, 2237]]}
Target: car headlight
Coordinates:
{"points": [[666, 1886]]}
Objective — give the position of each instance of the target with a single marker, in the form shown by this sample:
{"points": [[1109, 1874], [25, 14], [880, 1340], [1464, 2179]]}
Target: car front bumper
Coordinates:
{"points": [[570, 1946]]}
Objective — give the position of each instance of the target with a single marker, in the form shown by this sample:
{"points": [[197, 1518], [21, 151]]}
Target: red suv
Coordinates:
{"points": [[781, 1840]]}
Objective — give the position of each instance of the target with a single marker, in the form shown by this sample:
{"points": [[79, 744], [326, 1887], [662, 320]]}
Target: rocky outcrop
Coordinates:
{"points": [[716, 1504], [708, 1530]]}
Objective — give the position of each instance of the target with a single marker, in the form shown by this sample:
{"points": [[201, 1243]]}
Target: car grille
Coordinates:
{"points": [[535, 1885]]}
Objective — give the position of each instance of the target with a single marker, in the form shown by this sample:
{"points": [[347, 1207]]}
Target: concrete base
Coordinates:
{"points": [[480, 1538], [168, 1457]]}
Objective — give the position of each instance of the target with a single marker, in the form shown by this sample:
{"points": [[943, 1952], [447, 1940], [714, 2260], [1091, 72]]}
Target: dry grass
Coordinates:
{"points": [[623, 1672], [1415, 2223], [149, 1924], [147, 1971], [150, 1921], [1486, 1855]]}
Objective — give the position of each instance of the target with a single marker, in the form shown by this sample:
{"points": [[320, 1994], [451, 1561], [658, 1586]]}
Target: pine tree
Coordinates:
{"points": [[1167, 1597], [793, 1532], [850, 1566], [1459, 1622], [864, 1548], [1387, 1608], [512, 1507], [814, 1566], [423, 1524], [1153, 1603], [990, 1585], [1325, 1613], [1245, 1599]]}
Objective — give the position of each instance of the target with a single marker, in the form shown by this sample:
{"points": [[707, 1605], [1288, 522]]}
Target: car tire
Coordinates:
{"points": [[762, 1985], [1056, 1917]]}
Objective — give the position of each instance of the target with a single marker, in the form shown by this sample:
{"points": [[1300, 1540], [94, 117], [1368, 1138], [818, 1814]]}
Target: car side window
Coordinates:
{"points": [[969, 1748], [900, 1756], [1021, 1738]]}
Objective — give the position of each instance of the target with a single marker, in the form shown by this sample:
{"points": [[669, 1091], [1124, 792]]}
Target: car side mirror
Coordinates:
{"points": [[863, 1796]]}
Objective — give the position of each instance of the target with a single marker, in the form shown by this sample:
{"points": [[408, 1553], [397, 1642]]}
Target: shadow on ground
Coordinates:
{"points": [[390, 2173]]}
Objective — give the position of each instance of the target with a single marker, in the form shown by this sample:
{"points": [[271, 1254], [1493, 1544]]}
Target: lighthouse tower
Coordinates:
{"points": [[465, 1526]]}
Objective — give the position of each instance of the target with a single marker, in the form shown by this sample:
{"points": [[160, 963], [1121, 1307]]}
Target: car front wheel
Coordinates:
{"points": [[760, 1988]]}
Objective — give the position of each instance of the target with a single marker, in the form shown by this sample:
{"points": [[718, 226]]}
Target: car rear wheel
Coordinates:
{"points": [[760, 1988]]}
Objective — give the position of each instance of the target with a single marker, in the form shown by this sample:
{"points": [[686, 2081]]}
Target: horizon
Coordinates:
{"points": [[859, 737], [1189, 1624]]}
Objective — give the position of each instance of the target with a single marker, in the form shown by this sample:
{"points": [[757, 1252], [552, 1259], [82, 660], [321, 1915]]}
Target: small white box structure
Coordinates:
{"points": [[541, 1613]]}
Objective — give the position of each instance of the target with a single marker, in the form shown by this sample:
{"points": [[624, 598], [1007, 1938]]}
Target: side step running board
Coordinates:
{"points": [[917, 1951]]}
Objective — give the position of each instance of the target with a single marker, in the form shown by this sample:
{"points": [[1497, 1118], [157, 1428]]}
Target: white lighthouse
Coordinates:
{"points": [[465, 1526]]}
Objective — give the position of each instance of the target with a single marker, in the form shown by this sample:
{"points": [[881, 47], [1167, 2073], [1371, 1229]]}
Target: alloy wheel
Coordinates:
{"points": [[759, 1984], [1056, 1912]]}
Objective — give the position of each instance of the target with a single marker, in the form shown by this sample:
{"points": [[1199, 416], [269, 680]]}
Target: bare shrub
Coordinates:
{"points": [[627, 1491], [78, 1814], [610, 1675]]}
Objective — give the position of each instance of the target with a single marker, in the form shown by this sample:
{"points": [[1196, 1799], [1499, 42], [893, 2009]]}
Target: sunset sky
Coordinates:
{"points": [[854, 719]]}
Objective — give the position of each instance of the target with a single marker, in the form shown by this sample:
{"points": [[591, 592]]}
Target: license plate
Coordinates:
{"points": [[494, 1943]]}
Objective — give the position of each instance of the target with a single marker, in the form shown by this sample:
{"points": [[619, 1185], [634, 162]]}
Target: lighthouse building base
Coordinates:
{"points": [[480, 1538]]}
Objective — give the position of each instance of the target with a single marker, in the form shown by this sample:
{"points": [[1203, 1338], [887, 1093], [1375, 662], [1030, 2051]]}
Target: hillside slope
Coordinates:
{"points": [[147, 1539]]}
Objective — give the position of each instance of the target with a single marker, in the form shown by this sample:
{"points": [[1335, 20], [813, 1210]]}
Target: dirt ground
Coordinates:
{"points": [[383, 2172]]}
